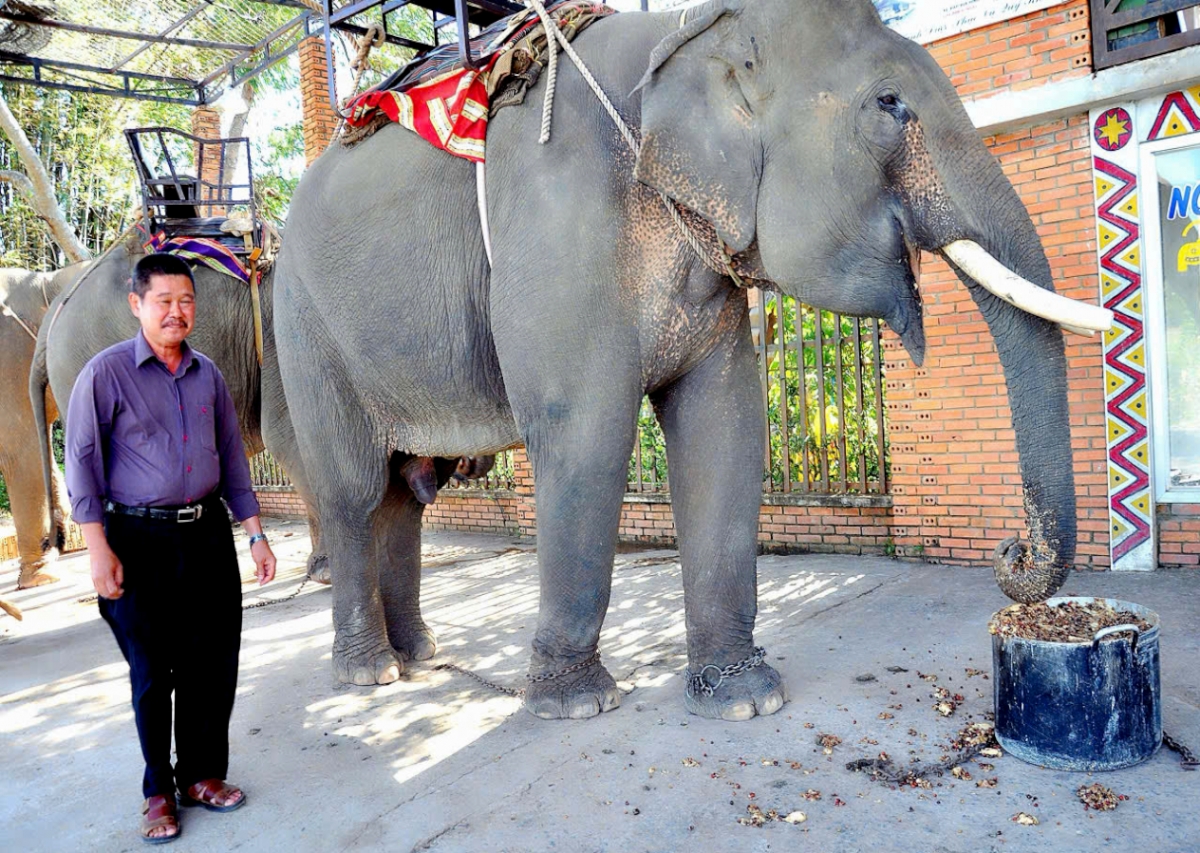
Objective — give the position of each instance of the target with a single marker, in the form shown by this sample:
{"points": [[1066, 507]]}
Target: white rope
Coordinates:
{"points": [[551, 82], [554, 34], [8, 312]]}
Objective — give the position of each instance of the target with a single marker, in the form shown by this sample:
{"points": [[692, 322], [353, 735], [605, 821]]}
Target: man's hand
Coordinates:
{"points": [[108, 575], [264, 560]]}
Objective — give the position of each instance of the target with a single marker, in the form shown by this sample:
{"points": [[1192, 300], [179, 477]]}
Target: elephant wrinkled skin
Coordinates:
{"points": [[822, 148]]}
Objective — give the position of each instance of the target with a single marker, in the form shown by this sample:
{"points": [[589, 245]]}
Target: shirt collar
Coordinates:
{"points": [[143, 353]]}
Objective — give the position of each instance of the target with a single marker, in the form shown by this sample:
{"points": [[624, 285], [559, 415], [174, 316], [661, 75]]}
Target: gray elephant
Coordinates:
{"points": [[822, 148], [24, 298]]}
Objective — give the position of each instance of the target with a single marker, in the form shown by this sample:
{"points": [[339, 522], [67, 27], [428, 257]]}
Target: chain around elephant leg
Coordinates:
{"points": [[741, 690], [563, 689]]}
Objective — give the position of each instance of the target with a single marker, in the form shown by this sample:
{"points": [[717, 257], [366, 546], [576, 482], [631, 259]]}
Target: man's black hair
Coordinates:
{"points": [[158, 264]]}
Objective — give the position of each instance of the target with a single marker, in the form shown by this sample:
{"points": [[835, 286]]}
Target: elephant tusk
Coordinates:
{"points": [[1073, 315]]}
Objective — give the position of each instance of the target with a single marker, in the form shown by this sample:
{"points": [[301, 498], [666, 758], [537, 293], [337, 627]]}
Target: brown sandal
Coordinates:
{"points": [[205, 792], [157, 812]]}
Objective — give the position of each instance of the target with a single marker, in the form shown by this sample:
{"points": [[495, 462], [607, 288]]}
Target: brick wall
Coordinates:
{"points": [[1179, 535], [1021, 53], [280, 502], [206, 123], [320, 120]]}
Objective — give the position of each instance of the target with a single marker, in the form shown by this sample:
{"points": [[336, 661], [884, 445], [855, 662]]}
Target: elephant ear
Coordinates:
{"points": [[699, 139]]}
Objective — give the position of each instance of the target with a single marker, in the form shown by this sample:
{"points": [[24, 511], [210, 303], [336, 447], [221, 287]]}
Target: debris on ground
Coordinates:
{"points": [[1099, 798], [1025, 819], [827, 742], [1069, 622], [757, 817]]}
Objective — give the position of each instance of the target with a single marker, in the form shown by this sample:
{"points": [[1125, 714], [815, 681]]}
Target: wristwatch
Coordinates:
{"points": [[257, 537]]}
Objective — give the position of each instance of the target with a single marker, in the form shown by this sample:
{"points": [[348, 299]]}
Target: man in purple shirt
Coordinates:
{"points": [[153, 444]]}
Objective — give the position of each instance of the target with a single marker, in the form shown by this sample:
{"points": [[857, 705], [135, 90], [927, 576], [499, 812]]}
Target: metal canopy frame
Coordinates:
{"points": [[224, 63], [464, 13]]}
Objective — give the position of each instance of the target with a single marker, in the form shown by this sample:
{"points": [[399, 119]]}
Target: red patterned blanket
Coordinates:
{"points": [[449, 105]]}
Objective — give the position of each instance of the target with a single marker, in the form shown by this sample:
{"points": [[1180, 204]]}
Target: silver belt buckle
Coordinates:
{"points": [[187, 516]]}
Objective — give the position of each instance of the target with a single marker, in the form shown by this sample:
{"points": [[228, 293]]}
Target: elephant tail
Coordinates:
{"points": [[39, 386]]}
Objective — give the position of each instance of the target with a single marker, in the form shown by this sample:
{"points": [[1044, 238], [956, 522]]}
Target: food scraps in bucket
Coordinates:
{"points": [[1068, 622]]}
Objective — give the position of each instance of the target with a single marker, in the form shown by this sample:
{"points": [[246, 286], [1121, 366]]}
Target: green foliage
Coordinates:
{"points": [[810, 424], [823, 400], [275, 177], [4, 507], [78, 139], [649, 455]]}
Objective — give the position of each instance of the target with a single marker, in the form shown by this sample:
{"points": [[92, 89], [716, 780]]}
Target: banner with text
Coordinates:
{"points": [[925, 21]]}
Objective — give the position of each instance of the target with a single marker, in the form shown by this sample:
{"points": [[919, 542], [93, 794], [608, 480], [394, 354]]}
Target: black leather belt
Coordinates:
{"points": [[179, 515]]}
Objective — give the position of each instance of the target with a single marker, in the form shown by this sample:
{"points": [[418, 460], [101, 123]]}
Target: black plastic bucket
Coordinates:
{"points": [[1080, 706]]}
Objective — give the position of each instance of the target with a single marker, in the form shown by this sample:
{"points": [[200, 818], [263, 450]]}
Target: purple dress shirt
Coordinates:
{"points": [[141, 436]]}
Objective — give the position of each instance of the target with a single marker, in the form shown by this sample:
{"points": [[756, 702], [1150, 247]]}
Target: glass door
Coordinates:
{"points": [[1171, 177]]}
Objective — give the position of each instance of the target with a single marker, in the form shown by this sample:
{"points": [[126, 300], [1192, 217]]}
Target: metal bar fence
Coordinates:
{"points": [[266, 472], [823, 396]]}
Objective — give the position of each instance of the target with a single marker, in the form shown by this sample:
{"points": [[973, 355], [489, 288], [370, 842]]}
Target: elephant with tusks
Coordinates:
{"points": [[818, 147]]}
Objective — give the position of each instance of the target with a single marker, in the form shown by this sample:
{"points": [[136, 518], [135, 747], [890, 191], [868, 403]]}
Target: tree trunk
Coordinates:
{"points": [[39, 189]]}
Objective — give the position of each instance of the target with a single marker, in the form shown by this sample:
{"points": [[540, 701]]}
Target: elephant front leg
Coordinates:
{"points": [[580, 472], [713, 422]]}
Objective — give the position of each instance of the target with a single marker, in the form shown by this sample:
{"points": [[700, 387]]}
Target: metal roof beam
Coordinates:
{"points": [[127, 79], [264, 44], [102, 31]]}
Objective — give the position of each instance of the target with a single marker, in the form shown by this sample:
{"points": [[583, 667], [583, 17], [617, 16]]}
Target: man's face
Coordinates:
{"points": [[167, 311]]}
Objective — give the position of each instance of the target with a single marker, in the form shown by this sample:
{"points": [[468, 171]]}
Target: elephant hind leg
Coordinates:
{"points": [[398, 554], [348, 478]]}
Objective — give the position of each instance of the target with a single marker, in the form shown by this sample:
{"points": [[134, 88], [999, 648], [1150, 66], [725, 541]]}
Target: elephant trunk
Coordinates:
{"points": [[1032, 352]]}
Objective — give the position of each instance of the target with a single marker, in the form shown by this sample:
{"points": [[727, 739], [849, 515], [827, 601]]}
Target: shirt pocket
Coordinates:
{"points": [[206, 425]]}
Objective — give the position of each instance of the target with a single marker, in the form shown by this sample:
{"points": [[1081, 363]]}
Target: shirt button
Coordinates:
{"points": [[189, 469], [185, 438]]}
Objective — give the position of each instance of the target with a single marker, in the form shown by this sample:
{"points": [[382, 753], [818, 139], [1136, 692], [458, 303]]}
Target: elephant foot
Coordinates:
{"points": [[318, 569], [34, 577], [757, 691], [413, 639], [576, 695], [374, 665]]}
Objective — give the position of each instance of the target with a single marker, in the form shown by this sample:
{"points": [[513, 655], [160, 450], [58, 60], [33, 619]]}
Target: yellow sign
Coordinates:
{"points": [[1189, 253]]}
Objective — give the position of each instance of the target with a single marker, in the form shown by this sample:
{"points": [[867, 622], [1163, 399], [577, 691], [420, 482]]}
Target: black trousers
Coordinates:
{"points": [[179, 625]]}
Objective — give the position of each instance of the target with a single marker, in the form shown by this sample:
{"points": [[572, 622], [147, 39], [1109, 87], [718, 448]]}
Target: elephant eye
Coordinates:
{"points": [[888, 100]]}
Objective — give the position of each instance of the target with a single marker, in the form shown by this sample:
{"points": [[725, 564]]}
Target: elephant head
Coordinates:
{"points": [[831, 150]]}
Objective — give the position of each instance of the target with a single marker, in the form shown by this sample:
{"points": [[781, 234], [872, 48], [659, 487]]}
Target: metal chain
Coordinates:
{"points": [[267, 602], [696, 682], [499, 688], [885, 770], [532, 679], [1187, 759]]}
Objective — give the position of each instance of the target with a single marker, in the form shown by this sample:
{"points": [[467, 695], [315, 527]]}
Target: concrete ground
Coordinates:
{"points": [[438, 762]]}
